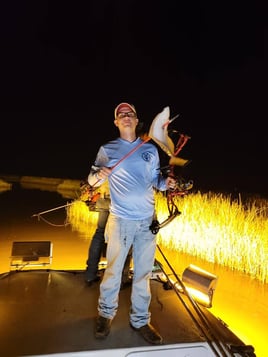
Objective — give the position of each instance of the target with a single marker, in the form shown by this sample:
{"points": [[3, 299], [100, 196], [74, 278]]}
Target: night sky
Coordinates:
{"points": [[66, 65]]}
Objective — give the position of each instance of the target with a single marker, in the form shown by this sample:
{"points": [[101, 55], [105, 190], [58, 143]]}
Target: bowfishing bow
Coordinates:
{"points": [[159, 133]]}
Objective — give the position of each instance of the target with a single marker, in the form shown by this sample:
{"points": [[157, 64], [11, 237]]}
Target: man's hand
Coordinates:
{"points": [[170, 183], [103, 173]]}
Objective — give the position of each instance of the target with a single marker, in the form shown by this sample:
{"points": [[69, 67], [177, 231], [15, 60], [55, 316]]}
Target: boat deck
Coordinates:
{"points": [[53, 312]]}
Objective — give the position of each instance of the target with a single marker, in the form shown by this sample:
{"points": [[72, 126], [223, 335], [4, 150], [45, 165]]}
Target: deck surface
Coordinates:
{"points": [[47, 312]]}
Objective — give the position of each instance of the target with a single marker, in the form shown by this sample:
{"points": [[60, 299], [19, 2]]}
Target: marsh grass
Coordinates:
{"points": [[212, 227]]}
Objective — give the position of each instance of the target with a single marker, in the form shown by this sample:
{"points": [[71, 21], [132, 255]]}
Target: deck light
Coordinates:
{"points": [[200, 284]]}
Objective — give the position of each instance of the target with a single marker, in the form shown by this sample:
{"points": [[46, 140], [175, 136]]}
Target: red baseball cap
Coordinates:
{"points": [[124, 106]]}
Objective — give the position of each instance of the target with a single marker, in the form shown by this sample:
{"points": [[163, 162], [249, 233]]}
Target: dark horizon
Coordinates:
{"points": [[65, 68]]}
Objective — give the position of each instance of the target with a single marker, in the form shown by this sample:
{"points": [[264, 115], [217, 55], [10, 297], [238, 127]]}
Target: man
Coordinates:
{"points": [[132, 168]]}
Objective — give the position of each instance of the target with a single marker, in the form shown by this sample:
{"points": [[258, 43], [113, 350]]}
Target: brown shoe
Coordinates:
{"points": [[150, 334], [103, 326]]}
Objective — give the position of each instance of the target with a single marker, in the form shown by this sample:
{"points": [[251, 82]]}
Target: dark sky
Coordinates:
{"points": [[66, 65]]}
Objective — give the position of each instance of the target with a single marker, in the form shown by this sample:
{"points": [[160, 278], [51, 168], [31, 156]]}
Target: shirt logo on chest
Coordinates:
{"points": [[146, 156]]}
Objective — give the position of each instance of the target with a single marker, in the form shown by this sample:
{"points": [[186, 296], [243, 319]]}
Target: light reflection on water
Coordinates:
{"points": [[239, 301]]}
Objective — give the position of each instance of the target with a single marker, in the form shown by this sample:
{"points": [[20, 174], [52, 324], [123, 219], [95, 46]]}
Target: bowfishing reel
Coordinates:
{"points": [[88, 196], [182, 186]]}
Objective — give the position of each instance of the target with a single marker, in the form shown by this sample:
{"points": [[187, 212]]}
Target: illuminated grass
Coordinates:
{"points": [[211, 227], [81, 219], [215, 228]]}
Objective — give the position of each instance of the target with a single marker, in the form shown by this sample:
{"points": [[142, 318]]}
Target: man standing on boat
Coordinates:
{"points": [[132, 168]]}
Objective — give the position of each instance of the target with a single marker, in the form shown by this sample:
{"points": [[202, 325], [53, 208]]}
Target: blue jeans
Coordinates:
{"points": [[97, 249], [122, 234]]}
